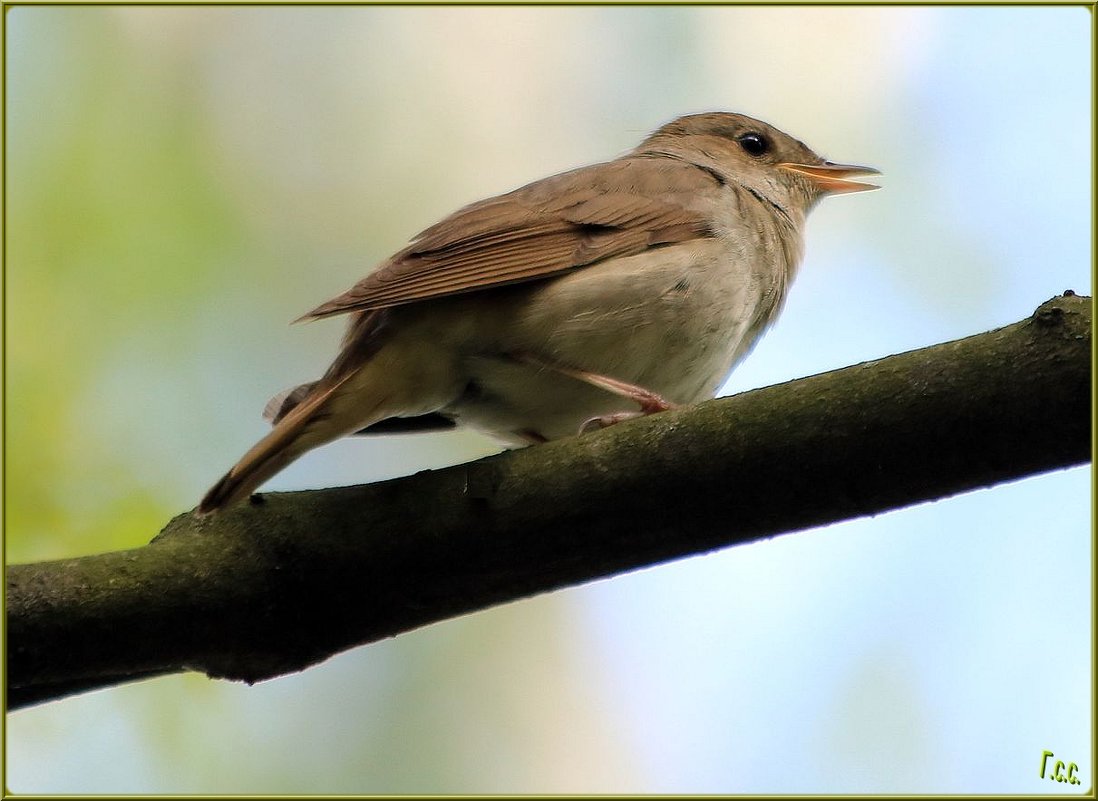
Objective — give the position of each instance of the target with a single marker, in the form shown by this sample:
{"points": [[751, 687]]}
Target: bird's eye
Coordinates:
{"points": [[754, 144]]}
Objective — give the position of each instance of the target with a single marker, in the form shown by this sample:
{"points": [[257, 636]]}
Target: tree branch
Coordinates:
{"points": [[283, 583]]}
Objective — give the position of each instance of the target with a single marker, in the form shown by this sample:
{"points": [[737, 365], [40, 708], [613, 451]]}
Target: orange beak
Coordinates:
{"points": [[831, 178]]}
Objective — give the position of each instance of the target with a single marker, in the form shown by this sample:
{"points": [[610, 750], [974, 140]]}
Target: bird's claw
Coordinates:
{"points": [[607, 420]]}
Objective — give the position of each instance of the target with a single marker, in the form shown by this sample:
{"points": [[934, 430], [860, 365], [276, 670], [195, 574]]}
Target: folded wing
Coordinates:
{"points": [[550, 227]]}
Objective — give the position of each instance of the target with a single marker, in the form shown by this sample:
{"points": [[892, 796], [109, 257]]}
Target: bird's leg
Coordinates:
{"points": [[649, 401]]}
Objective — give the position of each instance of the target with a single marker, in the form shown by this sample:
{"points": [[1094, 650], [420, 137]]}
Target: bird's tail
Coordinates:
{"points": [[311, 423]]}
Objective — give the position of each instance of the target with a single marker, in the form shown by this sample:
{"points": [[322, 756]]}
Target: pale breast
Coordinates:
{"points": [[673, 320]]}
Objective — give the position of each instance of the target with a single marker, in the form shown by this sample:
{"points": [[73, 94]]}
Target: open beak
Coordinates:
{"points": [[831, 178]]}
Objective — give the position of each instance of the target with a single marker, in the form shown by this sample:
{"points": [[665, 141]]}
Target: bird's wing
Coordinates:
{"points": [[546, 228]]}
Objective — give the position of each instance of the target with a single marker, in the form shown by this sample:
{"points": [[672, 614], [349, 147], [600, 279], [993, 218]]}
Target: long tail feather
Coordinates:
{"points": [[300, 430]]}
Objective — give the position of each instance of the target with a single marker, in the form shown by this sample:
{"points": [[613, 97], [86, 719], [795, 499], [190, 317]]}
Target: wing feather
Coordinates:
{"points": [[544, 229]]}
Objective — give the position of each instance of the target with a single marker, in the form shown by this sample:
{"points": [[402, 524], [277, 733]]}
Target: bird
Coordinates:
{"points": [[571, 304]]}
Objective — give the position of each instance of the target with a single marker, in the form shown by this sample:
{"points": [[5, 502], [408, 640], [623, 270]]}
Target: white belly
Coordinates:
{"points": [[674, 321]]}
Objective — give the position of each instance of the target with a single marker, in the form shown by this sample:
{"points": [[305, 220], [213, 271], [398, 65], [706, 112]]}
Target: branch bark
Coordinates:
{"points": [[287, 581]]}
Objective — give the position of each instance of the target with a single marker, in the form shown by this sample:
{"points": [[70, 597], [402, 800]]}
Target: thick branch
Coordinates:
{"points": [[276, 586]]}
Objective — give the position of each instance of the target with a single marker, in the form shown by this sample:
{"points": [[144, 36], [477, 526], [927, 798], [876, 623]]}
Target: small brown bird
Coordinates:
{"points": [[603, 293]]}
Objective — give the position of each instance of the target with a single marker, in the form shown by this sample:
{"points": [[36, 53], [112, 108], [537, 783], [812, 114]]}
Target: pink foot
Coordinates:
{"points": [[649, 401]]}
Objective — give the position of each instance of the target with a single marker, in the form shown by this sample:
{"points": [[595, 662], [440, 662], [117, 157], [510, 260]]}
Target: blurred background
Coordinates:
{"points": [[184, 181]]}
